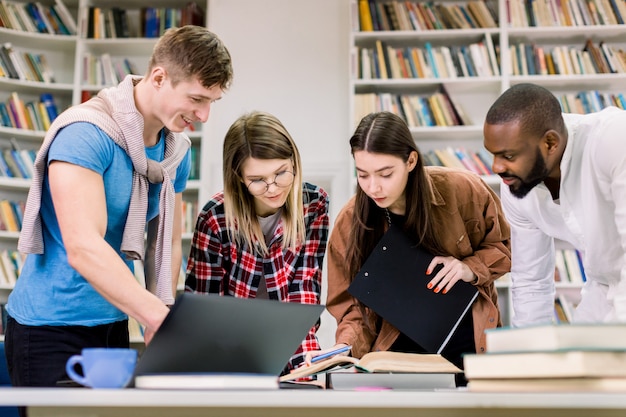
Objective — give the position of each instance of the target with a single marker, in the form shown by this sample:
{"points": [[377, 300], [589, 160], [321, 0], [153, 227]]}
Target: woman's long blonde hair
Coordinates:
{"points": [[259, 135]]}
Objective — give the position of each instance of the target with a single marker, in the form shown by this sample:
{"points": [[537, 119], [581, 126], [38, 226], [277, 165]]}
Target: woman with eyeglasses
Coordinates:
{"points": [[265, 234]]}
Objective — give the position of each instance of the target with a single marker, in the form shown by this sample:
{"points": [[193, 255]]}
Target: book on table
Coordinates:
{"points": [[597, 384], [559, 357], [548, 364], [207, 380], [354, 381], [393, 283], [379, 362], [557, 336]]}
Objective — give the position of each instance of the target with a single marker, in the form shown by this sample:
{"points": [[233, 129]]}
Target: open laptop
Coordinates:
{"points": [[220, 334]]}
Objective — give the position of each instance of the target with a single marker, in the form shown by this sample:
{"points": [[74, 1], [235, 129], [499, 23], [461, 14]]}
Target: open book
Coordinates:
{"points": [[379, 362]]}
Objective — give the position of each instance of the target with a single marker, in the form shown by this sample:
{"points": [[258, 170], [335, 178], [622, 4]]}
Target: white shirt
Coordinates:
{"points": [[590, 215]]}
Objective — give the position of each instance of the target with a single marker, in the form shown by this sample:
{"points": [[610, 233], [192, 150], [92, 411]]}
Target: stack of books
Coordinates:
{"points": [[551, 358]]}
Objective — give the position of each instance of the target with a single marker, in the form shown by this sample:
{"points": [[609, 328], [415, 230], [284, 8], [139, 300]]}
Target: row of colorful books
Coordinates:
{"points": [[545, 13], [531, 59], [478, 161], [413, 15], [591, 101], [477, 59], [569, 266], [147, 22], [437, 109], [105, 70], [565, 357], [32, 115], [11, 262], [17, 163], [37, 17], [11, 213], [24, 66]]}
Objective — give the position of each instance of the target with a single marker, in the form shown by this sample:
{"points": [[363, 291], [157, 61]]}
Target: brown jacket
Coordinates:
{"points": [[476, 232]]}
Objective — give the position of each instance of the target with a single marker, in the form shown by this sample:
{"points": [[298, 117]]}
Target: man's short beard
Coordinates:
{"points": [[537, 174]]}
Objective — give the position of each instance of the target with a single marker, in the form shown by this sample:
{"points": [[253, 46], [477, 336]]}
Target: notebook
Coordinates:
{"points": [[392, 282], [220, 335]]}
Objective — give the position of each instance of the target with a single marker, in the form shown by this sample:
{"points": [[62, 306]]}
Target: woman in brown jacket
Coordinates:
{"points": [[451, 213]]}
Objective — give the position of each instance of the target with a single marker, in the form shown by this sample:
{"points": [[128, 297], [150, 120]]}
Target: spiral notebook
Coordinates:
{"points": [[392, 282]]}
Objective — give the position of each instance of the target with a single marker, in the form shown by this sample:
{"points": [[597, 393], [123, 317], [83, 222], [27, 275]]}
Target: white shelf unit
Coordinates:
{"points": [[65, 56], [475, 94]]}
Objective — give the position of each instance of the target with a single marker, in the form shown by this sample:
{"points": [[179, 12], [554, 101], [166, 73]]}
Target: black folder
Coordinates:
{"points": [[392, 282]]}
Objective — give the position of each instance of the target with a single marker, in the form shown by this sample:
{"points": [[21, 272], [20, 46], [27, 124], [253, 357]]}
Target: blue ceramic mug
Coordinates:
{"points": [[103, 367]]}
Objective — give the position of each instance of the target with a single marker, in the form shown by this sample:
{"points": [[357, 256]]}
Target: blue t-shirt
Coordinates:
{"points": [[49, 291]]}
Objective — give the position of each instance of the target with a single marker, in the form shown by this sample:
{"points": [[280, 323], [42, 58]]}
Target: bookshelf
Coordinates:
{"points": [[525, 38], [83, 62]]}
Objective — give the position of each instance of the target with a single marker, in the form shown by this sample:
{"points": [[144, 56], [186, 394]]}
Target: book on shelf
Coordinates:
{"points": [[7, 60], [559, 312], [449, 159], [557, 336], [135, 330], [377, 362], [365, 18], [20, 19], [22, 165], [8, 268], [10, 161], [382, 60], [35, 17], [56, 21], [481, 14], [390, 11], [50, 105], [546, 364], [207, 381], [457, 110], [491, 51], [17, 109], [563, 309], [5, 169], [8, 216], [380, 19]]}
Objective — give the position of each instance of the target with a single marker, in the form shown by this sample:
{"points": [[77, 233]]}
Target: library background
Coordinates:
{"points": [[438, 64]]}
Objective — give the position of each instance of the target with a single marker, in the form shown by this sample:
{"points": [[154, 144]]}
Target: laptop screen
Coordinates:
{"points": [[212, 333]]}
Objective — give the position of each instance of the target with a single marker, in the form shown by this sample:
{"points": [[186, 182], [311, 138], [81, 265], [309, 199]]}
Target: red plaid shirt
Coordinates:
{"points": [[217, 265]]}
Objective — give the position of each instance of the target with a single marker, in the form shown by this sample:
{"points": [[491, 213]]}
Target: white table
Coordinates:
{"points": [[74, 402]]}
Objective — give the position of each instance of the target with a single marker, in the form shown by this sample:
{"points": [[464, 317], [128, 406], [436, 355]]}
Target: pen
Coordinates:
{"points": [[331, 353]]}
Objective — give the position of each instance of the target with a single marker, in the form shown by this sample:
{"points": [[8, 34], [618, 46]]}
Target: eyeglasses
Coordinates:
{"points": [[282, 179]]}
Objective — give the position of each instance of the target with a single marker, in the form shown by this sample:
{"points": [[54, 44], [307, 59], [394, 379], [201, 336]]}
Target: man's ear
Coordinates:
{"points": [[158, 75], [552, 141]]}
